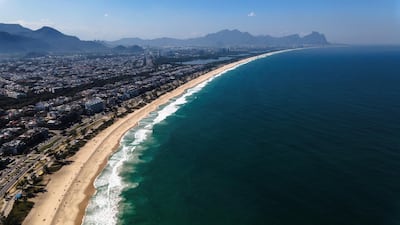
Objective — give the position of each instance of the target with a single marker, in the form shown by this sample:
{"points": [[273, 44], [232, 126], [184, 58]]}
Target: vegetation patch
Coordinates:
{"points": [[18, 213]]}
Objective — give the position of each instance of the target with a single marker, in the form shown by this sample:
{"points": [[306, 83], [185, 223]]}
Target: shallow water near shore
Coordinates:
{"points": [[109, 183], [304, 137]]}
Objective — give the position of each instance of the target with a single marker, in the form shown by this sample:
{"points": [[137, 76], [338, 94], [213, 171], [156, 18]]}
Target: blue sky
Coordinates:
{"points": [[344, 21]]}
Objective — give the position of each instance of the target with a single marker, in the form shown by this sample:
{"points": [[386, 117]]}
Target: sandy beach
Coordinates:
{"points": [[70, 188]]}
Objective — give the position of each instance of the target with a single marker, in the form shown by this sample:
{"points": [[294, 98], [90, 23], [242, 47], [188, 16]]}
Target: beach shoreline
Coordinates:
{"points": [[70, 188]]}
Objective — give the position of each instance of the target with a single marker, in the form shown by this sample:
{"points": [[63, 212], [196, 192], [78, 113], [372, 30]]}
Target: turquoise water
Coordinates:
{"points": [[303, 137]]}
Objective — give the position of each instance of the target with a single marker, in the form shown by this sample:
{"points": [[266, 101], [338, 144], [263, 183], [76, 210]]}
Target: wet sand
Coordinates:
{"points": [[70, 188]]}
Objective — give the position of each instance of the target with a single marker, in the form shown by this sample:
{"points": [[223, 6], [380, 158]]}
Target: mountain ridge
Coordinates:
{"points": [[228, 38], [15, 38]]}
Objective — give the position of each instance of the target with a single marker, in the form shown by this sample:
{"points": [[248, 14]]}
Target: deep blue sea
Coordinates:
{"points": [[308, 137]]}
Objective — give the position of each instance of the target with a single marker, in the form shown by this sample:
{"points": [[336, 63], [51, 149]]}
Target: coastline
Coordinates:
{"points": [[71, 188]]}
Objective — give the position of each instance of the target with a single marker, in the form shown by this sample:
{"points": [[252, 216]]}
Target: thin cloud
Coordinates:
{"points": [[33, 24], [251, 14], [105, 14]]}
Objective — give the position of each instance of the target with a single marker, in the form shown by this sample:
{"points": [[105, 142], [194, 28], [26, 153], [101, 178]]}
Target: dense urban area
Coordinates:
{"points": [[50, 106]]}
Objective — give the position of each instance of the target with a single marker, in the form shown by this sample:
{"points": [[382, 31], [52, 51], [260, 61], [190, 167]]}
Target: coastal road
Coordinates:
{"points": [[10, 183]]}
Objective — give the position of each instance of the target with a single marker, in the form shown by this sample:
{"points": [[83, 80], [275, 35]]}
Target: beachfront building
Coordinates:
{"points": [[94, 105]]}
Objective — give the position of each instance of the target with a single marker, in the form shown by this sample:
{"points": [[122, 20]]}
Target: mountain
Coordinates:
{"points": [[15, 38], [14, 28], [224, 38], [10, 43], [230, 38], [314, 37], [164, 42]]}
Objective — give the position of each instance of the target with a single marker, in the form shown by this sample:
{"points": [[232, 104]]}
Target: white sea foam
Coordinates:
{"points": [[103, 207], [109, 184]]}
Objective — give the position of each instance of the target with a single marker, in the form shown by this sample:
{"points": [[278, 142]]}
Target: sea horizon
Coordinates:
{"points": [[199, 112], [140, 148], [110, 178]]}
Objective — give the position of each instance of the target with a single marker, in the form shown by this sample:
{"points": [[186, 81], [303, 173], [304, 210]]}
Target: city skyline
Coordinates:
{"points": [[355, 22]]}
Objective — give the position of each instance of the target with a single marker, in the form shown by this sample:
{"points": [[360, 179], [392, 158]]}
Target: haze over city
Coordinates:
{"points": [[199, 112], [350, 22]]}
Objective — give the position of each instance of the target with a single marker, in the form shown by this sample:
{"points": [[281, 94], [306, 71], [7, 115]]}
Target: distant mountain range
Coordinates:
{"points": [[15, 38], [229, 38]]}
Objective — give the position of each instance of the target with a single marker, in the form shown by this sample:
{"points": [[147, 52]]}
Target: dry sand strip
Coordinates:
{"points": [[70, 188]]}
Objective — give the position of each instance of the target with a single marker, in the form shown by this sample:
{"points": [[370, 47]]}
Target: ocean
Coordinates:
{"points": [[302, 137]]}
